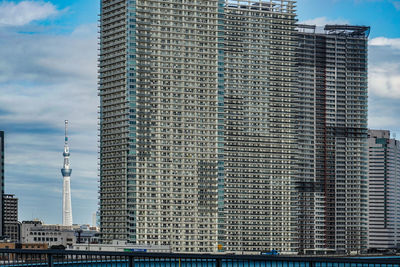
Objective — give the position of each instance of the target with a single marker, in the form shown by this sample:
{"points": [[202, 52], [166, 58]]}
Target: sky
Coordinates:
{"points": [[48, 73]]}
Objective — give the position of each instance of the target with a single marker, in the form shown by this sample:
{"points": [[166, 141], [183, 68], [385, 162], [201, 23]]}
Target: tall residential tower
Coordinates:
{"points": [[1, 182], [66, 173], [333, 107], [197, 124], [384, 190], [257, 82], [12, 226]]}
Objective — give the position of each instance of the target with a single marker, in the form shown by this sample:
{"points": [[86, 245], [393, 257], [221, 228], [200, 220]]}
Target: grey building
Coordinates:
{"points": [[258, 163], [384, 190], [198, 124], [1, 181], [11, 228], [333, 106]]}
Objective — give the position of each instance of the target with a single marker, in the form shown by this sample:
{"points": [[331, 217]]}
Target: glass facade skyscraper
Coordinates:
{"points": [[197, 124]]}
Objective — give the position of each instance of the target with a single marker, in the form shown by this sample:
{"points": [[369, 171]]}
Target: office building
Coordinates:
{"points": [[333, 106], [197, 124], [56, 235], [1, 181], [36, 232], [384, 190], [11, 224]]}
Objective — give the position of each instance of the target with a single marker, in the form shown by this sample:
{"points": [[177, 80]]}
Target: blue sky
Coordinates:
{"points": [[382, 15], [48, 73]]}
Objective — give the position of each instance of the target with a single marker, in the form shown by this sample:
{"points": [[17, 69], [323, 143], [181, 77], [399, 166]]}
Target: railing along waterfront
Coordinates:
{"points": [[61, 258]]}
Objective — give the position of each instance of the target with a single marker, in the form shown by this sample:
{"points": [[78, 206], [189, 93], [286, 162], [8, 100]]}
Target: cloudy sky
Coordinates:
{"points": [[48, 73]]}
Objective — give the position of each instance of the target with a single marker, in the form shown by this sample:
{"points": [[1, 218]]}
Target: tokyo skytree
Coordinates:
{"points": [[66, 173]]}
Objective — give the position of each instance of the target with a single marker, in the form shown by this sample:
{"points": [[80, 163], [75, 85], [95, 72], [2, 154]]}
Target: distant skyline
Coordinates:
{"points": [[48, 73]]}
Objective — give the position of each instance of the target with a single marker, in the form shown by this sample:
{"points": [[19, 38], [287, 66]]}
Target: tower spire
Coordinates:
{"points": [[66, 173], [66, 132]]}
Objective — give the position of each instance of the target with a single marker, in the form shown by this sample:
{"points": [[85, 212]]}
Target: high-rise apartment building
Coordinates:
{"points": [[197, 124], [332, 69], [159, 123], [257, 66], [1, 181], [11, 228], [384, 190]]}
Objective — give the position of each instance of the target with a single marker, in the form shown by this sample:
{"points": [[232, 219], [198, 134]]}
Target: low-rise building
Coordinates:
{"points": [[121, 246], [13, 245], [36, 232], [57, 235], [87, 234]]}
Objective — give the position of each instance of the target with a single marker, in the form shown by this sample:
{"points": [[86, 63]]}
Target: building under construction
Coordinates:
{"points": [[333, 103]]}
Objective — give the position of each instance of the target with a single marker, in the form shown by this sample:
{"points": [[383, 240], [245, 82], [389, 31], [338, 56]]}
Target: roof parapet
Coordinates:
{"points": [[348, 30]]}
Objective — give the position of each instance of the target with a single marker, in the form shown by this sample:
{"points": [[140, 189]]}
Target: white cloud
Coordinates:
{"points": [[396, 5], [22, 13], [385, 80], [45, 80], [384, 84], [322, 21], [383, 41], [383, 114], [384, 67]]}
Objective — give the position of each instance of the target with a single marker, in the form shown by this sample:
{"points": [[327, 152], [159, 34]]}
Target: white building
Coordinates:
{"points": [[52, 234], [36, 232], [384, 190], [121, 246]]}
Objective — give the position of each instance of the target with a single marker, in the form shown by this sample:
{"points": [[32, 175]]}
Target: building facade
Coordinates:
{"points": [[258, 164], [121, 246], [35, 232], [197, 124], [11, 224], [384, 190], [1, 181], [333, 106]]}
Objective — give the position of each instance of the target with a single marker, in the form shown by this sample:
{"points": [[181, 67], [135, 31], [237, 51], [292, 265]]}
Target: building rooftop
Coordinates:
{"points": [[347, 30]]}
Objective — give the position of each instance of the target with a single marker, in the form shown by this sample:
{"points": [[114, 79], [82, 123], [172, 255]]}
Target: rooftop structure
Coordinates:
{"points": [[344, 30]]}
